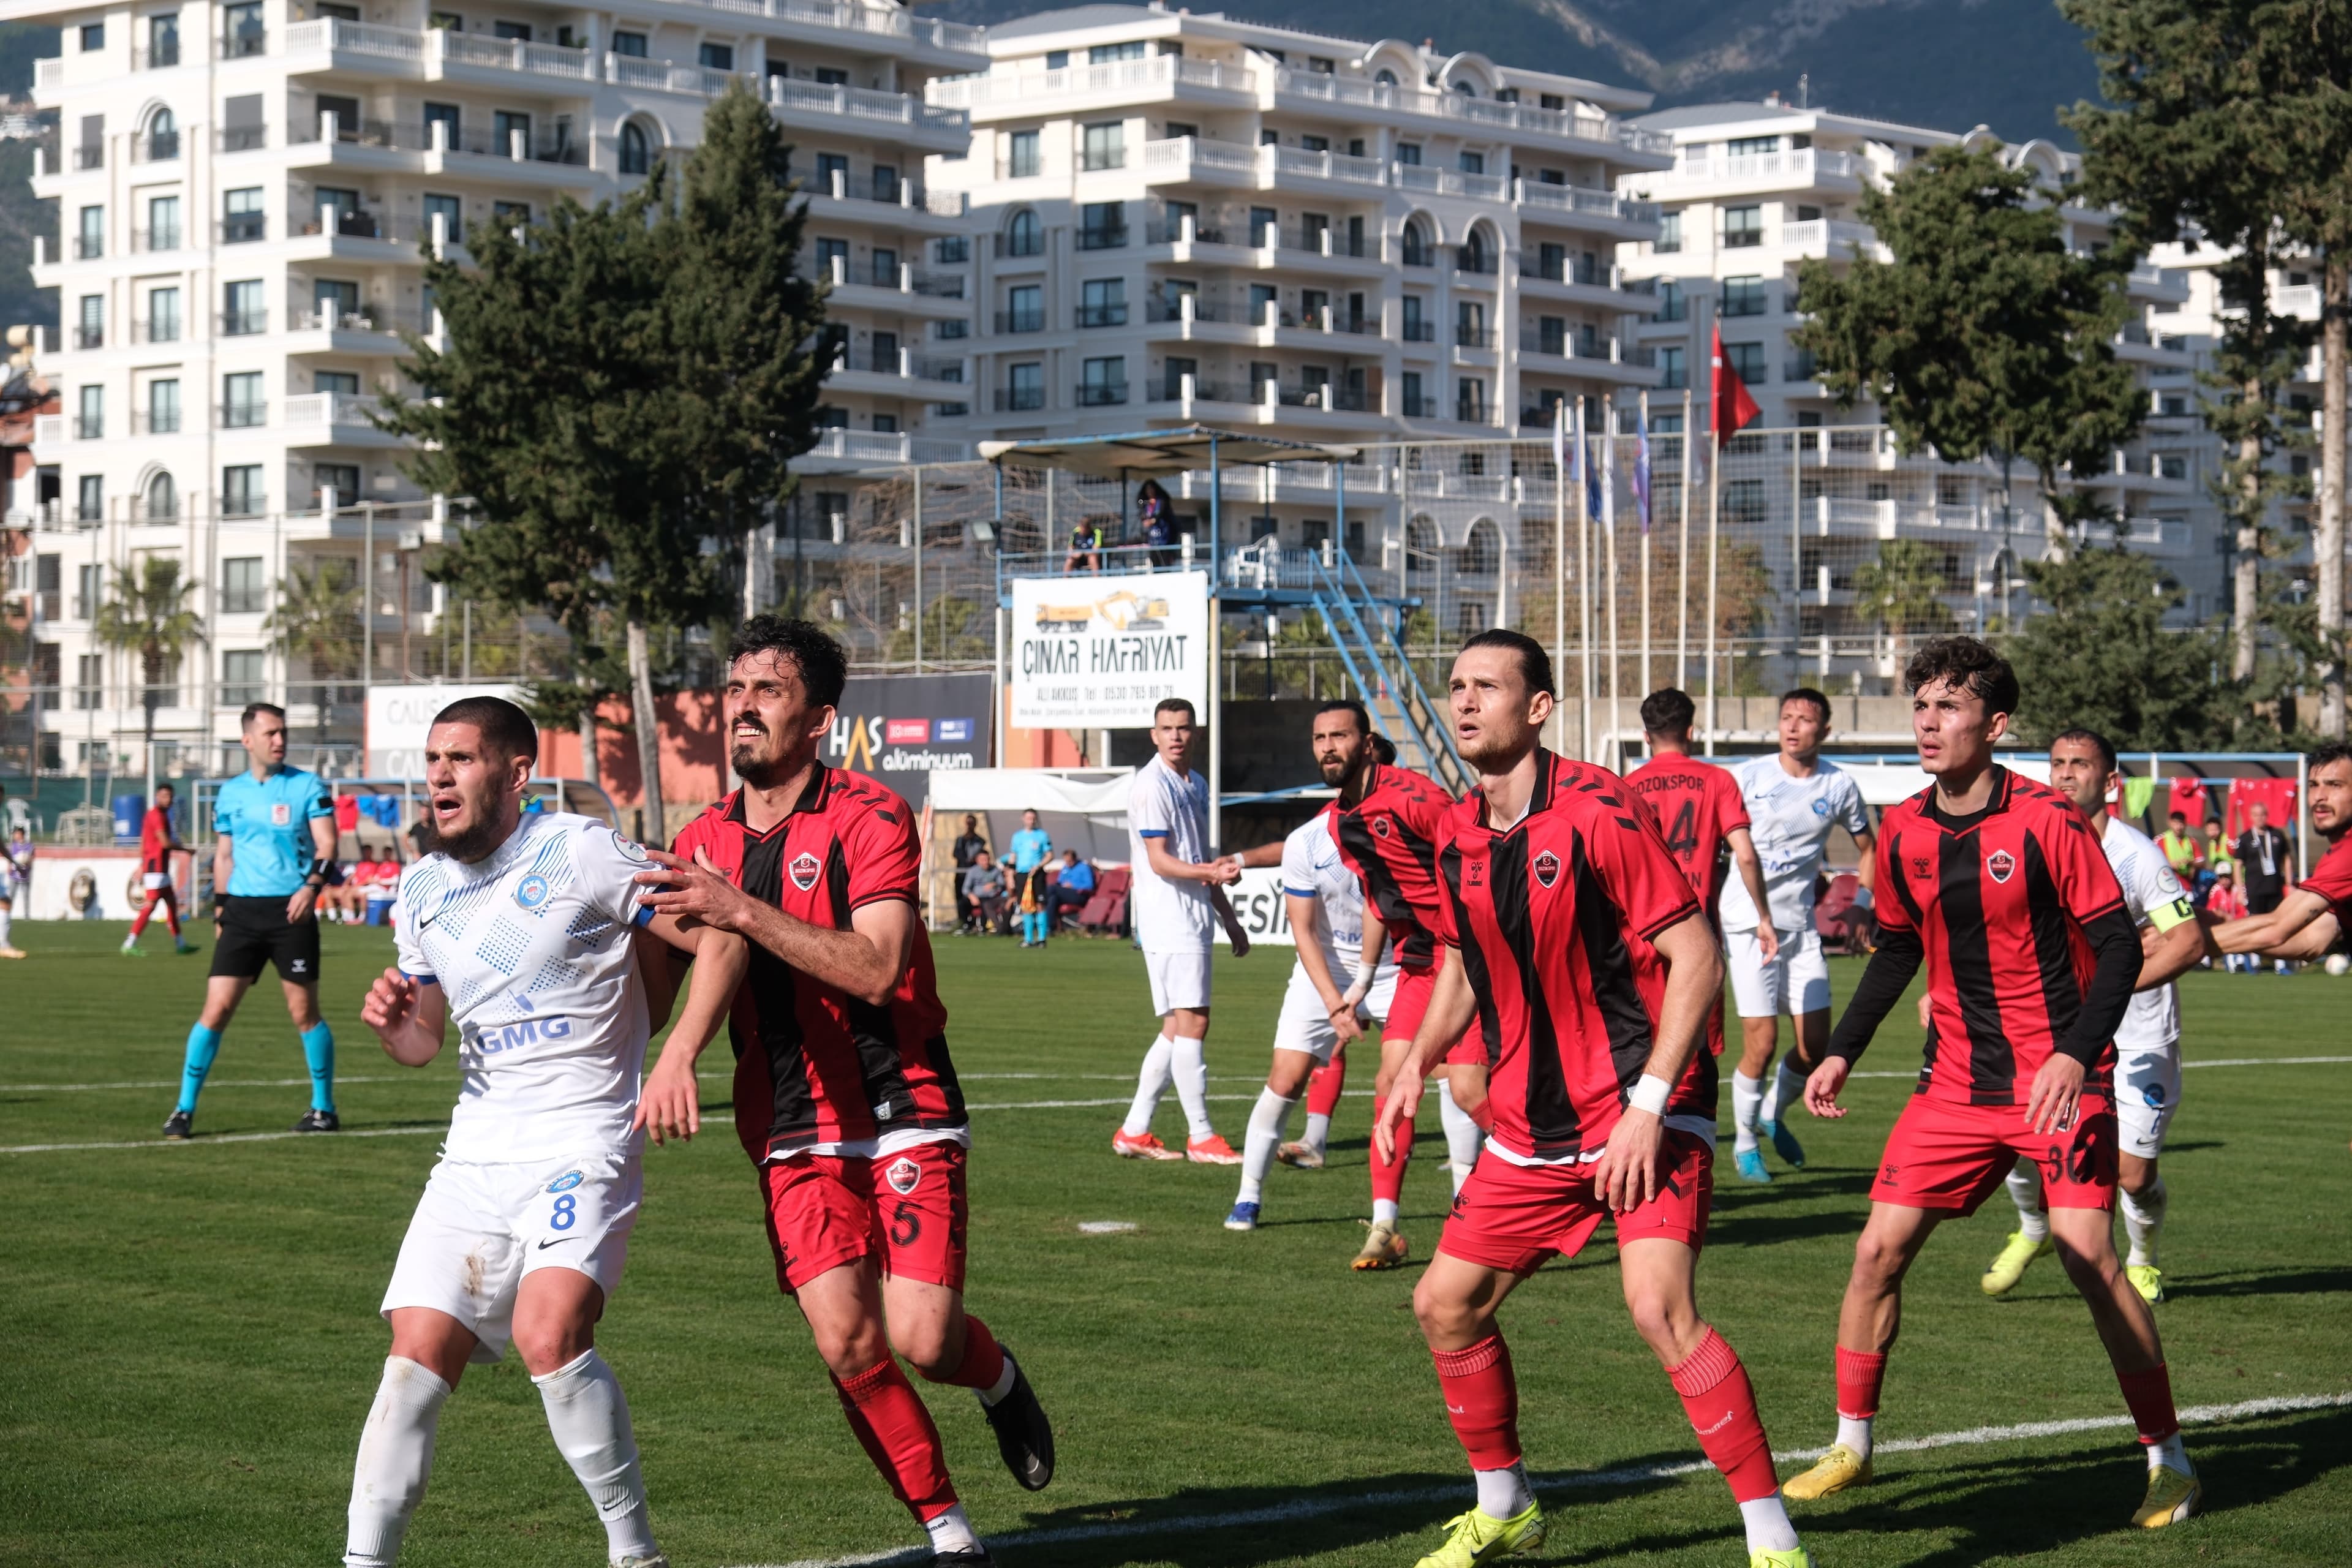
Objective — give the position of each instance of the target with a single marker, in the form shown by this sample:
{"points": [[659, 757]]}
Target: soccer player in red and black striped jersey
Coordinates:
{"points": [[2313, 916], [845, 1096], [158, 842], [1697, 809], [1572, 935], [1386, 823], [2000, 886]]}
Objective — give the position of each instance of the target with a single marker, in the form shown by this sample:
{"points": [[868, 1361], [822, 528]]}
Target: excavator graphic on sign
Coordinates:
{"points": [[1124, 612]]}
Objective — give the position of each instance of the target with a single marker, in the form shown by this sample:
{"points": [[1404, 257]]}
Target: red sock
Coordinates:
{"points": [[1482, 1400], [1859, 1373], [984, 1361], [1324, 1084], [1388, 1175], [139, 920], [1722, 1409], [896, 1432], [2149, 1394]]}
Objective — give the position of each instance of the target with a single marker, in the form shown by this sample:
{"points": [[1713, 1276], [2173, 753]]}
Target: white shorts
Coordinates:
{"points": [[478, 1229], [1178, 980], [2148, 1091], [1305, 1025], [154, 881], [1796, 982]]}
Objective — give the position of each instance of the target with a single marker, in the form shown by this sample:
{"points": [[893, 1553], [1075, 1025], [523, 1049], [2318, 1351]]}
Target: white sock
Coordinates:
{"points": [[952, 1531], [1788, 1089], [1747, 1110], [1769, 1529], [1149, 1085], [395, 1456], [2143, 1219], [1854, 1431], [995, 1392], [590, 1420], [2025, 1192], [1318, 1136], [2171, 1455], [1267, 1119], [1504, 1494], [1462, 1139], [7, 915], [1385, 1211], [1191, 1073]]}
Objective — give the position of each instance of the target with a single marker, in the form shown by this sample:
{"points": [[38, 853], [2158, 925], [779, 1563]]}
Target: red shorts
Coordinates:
{"points": [[1945, 1155], [1513, 1217], [1407, 1007], [906, 1209]]}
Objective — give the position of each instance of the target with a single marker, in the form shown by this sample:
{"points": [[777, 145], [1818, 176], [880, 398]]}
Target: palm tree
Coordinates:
{"points": [[148, 614], [1903, 591], [317, 621]]}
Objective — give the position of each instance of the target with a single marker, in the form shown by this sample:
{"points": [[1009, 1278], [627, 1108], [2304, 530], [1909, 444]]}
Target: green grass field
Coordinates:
{"points": [[189, 1337]]}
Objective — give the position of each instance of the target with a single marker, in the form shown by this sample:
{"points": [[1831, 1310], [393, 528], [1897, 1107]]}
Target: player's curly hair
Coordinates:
{"points": [[1668, 711], [1970, 665], [823, 666], [2327, 753]]}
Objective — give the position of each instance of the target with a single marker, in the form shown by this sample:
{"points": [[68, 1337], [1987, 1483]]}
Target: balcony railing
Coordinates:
{"points": [[1102, 315], [1031, 243], [364, 318], [243, 228], [1019, 399], [154, 422], [88, 157], [241, 138], [318, 408], [246, 44], [89, 246], [90, 426], [1021, 320], [243, 416], [1417, 408], [154, 239], [517, 145], [1477, 264], [1799, 165], [156, 58], [1468, 337], [1469, 413], [243, 324], [1421, 332], [88, 337], [160, 148], [1101, 394], [1103, 238], [151, 330]]}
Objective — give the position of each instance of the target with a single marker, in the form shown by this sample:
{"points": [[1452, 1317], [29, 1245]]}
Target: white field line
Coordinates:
{"points": [[1317, 1507], [224, 1138]]}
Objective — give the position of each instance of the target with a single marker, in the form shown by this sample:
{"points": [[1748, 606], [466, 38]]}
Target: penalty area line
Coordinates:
{"points": [[1320, 1507]]}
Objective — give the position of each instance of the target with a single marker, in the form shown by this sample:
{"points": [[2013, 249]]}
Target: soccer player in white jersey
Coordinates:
{"points": [[1176, 901], [1324, 900], [2148, 1042], [525, 929], [1793, 800]]}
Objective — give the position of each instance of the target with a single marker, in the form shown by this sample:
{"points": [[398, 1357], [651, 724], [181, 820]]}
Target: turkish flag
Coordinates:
{"points": [[1734, 409]]}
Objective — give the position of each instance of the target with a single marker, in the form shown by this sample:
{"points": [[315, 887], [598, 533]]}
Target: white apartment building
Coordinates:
{"points": [[1182, 217], [1757, 188], [246, 192]]}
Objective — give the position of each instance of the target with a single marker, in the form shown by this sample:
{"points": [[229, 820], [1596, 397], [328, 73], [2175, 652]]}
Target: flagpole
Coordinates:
{"points": [[1616, 611], [1559, 567], [1682, 555], [1714, 531], [1584, 584], [1648, 489]]}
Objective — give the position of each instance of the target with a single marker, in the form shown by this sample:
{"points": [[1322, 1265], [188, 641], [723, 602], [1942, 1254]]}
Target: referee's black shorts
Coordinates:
{"points": [[254, 932]]}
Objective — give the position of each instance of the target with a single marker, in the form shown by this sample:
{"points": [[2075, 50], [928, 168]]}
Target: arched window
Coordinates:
{"points": [[1482, 551], [1025, 236], [162, 498], [637, 152], [1386, 77], [1466, 88], [1475, 257], [163, 136], [1416, 244], [1420, 548]]}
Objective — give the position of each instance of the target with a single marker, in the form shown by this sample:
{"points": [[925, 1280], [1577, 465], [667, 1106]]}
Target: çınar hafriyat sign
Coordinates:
{"points": [[1099, 653]]}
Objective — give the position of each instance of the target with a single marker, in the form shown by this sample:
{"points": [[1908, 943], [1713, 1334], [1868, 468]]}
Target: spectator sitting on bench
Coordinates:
{"points": [[985, 887], [1073, 884]]}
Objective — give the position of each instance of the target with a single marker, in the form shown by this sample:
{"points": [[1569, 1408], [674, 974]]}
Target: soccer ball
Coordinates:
{"points": [[2337, 964]]}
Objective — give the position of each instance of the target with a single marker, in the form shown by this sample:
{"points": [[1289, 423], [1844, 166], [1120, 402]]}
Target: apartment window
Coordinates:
{"points": [[1314, 144], [1672, 370], [241, 587], [831, 76], [2172, 465], [89, 587], [1745, 500], [90, 333], [1102, 383], [89, 241], [1102, 226], [1470, 400], [1409, 153], [241, 678], [343, 479], [1743, 296], [511, 213], [952, 251], [505, 124], [637, 152], [242, 32], [1171, 389], [718, 57], [632, 45], [1024, 309], [1746, 361], [1800, 366], [1742, 226], [241, 491], [1269, 138], [1670, 234], [1024, 387], [242, 218], [164, 315], [1551, 335], [1472, 163], [162, 223], [1265, 224], [163, 407], [242, 312], [1552, 100], [342, 382], [1808, 213], [335, 300], [1416, 406], [885, 183], [886, 268], [89, 424], [1022, 158], [445, 21], [1673, 305], [1322, 66], [1103, 54], [89, 683], [1416, 325], [242, 407], [93, 37], [1103, 302], [1262, 311], [1058, 59], [832, 169], [449, 117], [1103, 145], [1025, 235], [1753, 146]]}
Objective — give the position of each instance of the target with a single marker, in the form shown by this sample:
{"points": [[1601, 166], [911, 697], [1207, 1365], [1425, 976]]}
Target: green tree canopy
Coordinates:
{"points": [[2102, 658], [147, 613]]}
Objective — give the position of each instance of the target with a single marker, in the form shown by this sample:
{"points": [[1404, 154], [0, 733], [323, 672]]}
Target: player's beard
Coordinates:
{"points": [[476, 838], [1494, 752]]}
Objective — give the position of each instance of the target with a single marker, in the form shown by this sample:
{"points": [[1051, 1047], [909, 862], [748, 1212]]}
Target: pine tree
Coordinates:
{"points": [[2102, 658], [1985, 336]]}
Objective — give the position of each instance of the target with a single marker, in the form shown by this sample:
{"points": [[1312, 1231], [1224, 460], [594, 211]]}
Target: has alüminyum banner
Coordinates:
{"points": [[898, 728], [1099, 653]]}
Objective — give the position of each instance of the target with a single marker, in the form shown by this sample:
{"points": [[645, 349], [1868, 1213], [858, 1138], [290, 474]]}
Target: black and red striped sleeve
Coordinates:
{"points": [[884, 853]]}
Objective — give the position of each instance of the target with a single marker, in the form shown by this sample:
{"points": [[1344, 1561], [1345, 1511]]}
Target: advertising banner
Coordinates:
{"points": [[1259, 905], [898, 728], [399, 716], [1099, 653]]}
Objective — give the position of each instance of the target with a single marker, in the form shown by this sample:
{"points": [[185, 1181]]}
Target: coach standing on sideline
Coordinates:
{"points": [[277, 836]]}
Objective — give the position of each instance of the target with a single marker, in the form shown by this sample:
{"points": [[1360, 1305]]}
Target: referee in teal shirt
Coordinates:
{"points": [[276, 838]]}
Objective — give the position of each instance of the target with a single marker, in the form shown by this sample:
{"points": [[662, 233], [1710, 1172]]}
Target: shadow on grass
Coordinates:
{"points": [[2267, 1282]]}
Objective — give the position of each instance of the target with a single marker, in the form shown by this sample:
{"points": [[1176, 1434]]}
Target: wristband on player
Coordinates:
{"points": [[1650, 1094], [1355, 994]]}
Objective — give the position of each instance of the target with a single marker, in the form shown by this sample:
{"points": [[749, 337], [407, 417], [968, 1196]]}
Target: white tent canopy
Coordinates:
{"points": [[1889, 783], [1084, 809]]}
